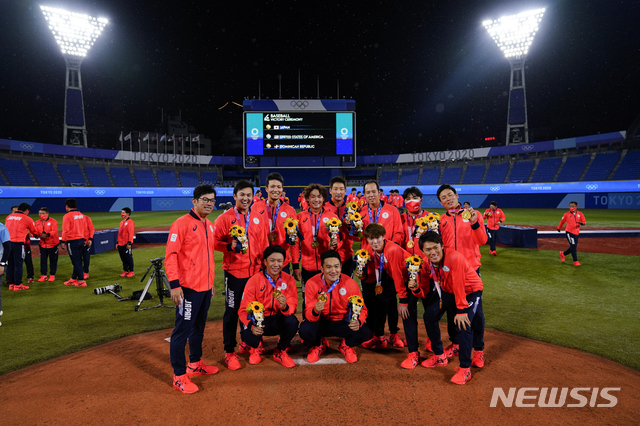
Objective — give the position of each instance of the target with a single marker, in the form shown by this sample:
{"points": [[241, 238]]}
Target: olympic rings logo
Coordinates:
{"points": [[527, 147], [495, 188], [299, 104], [100, 192], [164, 203], [186, 192], [592, 187], [27, 146]]}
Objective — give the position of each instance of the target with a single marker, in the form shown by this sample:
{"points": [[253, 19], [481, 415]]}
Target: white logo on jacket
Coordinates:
{"points": [[256, 220], [385, 215], [283, 214], [342, 291]]}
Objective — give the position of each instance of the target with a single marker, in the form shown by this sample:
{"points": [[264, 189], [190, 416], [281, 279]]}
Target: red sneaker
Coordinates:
{"points": [[427, 345], [11, 287], [29, 280], [19, 287], [435, 361], [462, 376], [86, 275], [478, 359], [131, 274], [561, 256], [283, 358], [243, 348], [124, 274], [81, 283], [376, 342], [42, 278], [254, 358], [451, 350], [52, 278], [71, 281], [184, 384], [412, 360], [261, 348], [200, 369], [325, 342], [348, 352], [576, 263], [493, 253], [315, 352], [395, 340], [232, 361]]}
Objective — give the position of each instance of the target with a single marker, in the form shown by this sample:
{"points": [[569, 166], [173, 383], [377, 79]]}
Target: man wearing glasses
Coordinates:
{"points": [[190, 269]]}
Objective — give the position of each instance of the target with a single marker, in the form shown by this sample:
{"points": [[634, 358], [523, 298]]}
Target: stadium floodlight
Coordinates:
{"points": [[514, 34], [75, 33]]}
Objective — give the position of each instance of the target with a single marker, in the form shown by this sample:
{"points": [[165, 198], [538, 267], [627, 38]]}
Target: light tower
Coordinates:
{"points": [[75, 33], [514, 34]]}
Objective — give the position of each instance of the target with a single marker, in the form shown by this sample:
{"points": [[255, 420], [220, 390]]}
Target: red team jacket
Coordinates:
{"points": [[74, 226], [409, 226], [346, 251], [335, 308], [460, 235], [389, 218], [284, 211], [456, 276], [19, 226], [126, 230], [49, 226], [352, 197], [237, 264], [383, 197], [494, 218], [90, 229], [306, 221], [395, 266], [258, 288], [189, 258], [573, 221]]}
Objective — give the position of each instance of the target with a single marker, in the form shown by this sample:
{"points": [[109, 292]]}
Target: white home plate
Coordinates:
{"points": [[303, 361]]}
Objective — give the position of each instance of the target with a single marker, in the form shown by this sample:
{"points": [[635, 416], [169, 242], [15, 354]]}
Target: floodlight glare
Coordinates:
{"points": [[514, 34], [75, 33]]}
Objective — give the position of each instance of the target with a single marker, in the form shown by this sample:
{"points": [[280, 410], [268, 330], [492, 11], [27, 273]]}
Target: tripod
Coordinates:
{"points": [[162, 285]]}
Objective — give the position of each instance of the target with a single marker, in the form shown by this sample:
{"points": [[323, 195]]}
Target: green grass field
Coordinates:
{"points": [[527, 293]]}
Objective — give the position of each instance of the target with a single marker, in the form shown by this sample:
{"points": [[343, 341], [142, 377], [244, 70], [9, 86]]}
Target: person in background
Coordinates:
{"points": [[574, 220], [494, 217], [88, 241], [466, 205], [126, 231], [74, 232], [5, 248], [353, 196], [19, 225], [28, 259], [49, 244]]}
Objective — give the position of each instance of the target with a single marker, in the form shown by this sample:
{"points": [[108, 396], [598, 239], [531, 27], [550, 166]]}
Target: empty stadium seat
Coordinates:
{"points": [[521, 171], [629, 167], [601, 166], [573, 168], [409, 176], [189, 179], [3, 182], [209, 177], [451, 175], [547, 169], [145, 178], [71, 174], [389, 177], [122, 177], [16, 172], [430, 177], [473, 174], [98, 176], [497, 173], [167, 178], [45, 173]]}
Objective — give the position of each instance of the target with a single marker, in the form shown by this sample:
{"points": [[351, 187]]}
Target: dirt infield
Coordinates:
{"points": [[127, 382]]}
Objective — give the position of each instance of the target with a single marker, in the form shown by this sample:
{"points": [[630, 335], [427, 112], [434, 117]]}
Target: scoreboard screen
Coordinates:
{"points": [[299, 139]]}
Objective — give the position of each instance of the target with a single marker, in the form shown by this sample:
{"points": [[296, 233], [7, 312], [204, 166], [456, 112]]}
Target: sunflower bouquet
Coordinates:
{"points": [[356, 224], [413, 265], [291, 226], [333, 226], [240, 235], [433, 221], [255, 312], [422, 226], [351, 208], [362, 258], [356, 303]]}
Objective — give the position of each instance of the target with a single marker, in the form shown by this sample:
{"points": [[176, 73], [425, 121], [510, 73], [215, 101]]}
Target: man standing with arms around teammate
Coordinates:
{"points": [[495, 217], [19, 225], [190, 266], [49, 243], [574, 219], [126, 231]]}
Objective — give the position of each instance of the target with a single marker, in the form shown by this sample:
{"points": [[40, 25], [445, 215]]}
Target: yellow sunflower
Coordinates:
{"points": [[415, 260], [240, 231], [362, 253], [423, 222], [355, 217], [255, 307], [290, 223], [431, 217], [353, 205], [335, 222], [356, 300]]}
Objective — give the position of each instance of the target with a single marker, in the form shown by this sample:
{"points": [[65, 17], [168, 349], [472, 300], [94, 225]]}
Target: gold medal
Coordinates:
{"points": [[410, 244], [440, 303], [277, 293], [378, 289], [466, 215], [272, 237], [315, 244], [322, 297]]}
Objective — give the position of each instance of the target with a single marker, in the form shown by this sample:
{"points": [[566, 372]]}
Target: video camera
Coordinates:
{"points": [[108, 289], [225, 206], [157, 261]]}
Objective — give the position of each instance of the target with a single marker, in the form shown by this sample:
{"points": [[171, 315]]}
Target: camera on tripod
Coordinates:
{"points": [[162, 284], [114, 288]]}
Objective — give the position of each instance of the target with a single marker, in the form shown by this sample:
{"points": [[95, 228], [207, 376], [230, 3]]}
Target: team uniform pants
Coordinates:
{"points": [[14, 268], [472, 337], [28, 261], [86, 258], [191, 318], [410, 324], [74, 248], [381, 307], [306, 276], [573, 246], [127, 258], [285, 326], [233, 287], [311, 332], [48, 255], [492, 235], [347, 266]]}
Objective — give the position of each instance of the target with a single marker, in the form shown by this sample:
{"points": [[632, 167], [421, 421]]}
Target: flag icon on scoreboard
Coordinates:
{"points": [[276, 127]]}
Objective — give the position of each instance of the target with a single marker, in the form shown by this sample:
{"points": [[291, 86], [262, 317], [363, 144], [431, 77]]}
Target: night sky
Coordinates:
{"points": [[425, 74]]}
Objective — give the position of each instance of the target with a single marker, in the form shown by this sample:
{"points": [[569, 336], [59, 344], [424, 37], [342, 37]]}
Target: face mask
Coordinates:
{"points": [[122, 215], [413, 206], [572, 209], [43, 217]]}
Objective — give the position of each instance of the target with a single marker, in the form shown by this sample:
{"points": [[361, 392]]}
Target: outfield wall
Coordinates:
{"points": [[590, 195]]}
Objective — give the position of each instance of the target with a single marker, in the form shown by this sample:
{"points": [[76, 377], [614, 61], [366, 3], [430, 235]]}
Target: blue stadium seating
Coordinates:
{"points": [[629, 167], [189, 179], [299, 177], [497, 173], [573, 168], [474, 174], [45, 173], [71, 174], [167, 178], [451, 175], [3, 182], [122, 177], [389, 177], [521, 171], [601, 167], [16, 172], [145, 178], [98, 176], [209, 177], [409, 176], [547, 169], [430, 177]]}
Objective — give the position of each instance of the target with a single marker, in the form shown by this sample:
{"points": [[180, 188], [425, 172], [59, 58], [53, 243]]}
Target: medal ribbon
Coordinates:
{"points": [[436, 282], [246, 221], [377, 214], [273, 218], [324, 284], [266, 274], [380, 267], [316, 228]]}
